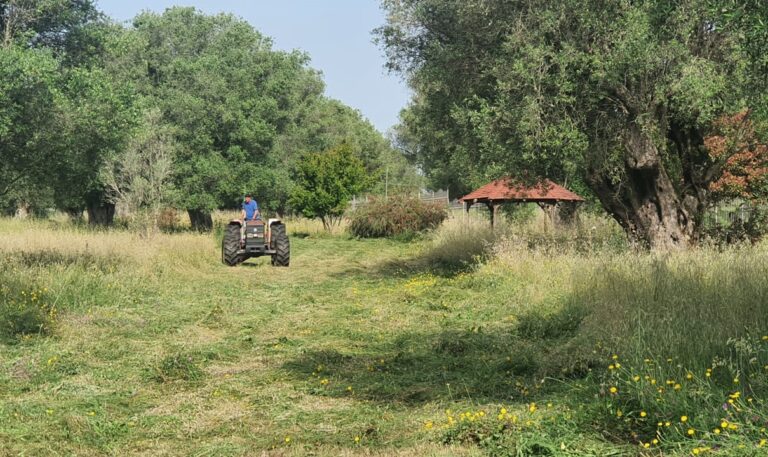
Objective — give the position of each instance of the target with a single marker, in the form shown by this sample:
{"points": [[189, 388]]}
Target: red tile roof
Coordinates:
{"points": [[504, 189]]}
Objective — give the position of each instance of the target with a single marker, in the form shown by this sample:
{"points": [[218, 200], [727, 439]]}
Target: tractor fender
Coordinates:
{"points": [[237, 222]]}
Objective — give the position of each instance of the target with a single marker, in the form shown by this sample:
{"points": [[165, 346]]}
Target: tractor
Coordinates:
{"points": [[243, 240]]}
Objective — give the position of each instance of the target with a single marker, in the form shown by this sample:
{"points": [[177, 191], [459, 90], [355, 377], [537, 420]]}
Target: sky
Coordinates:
{"points": [[335, 33]]}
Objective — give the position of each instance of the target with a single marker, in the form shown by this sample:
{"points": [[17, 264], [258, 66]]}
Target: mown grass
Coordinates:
{"points": [[463, 343]]}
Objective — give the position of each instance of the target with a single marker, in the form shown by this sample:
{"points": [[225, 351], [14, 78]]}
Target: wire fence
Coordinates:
{"points": [[730, 214], [431, 196]]}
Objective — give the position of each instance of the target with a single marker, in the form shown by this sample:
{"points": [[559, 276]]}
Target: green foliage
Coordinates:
{"points": [[65, 116], [139, 177], [223, 89], [28, 111], [98, 117], [75, 87], [70, 28], [395, 216], [327, 181], [750, 229]]}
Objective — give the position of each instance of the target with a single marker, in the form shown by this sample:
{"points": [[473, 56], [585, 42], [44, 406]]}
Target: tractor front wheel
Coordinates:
{"points": [[281, 245], [230, 244]]}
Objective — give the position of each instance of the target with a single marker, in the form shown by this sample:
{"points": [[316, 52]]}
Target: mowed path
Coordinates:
{"points": [[349, 351]]}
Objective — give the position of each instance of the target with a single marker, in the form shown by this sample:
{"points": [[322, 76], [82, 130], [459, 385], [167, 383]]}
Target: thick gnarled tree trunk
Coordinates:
{"points": [[646, 202], [101, 213]]}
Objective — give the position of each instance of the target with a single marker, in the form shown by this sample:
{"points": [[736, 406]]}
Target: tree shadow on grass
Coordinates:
{"points": [[421, 368], [403, 268]]}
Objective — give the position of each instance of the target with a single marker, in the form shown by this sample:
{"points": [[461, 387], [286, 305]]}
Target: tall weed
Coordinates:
{"points": [[459, 243]]}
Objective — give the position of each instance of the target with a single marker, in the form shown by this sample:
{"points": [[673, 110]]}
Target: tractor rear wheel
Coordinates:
{"points": [[281, 245], [230, 244]]}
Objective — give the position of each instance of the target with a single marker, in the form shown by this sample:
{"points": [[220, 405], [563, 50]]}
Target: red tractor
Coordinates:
{"points": [[255, 239]]}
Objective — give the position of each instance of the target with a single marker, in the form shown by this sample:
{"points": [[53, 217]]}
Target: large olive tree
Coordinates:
{"points": [[618, 94]]}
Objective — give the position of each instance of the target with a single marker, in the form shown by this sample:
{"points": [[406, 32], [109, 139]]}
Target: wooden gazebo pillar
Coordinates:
{"points": [[492, 208]]}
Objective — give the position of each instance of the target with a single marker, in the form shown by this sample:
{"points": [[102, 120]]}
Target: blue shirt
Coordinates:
{"points": [[250, 209]]}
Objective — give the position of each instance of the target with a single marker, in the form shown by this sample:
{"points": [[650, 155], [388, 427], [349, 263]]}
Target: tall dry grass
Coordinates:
{"points": [[84, 268], [462, 240], [687, 304], [460, 243]]}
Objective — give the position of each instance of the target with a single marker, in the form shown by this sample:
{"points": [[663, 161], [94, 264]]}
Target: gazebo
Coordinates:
{"points": [[505, 190]]}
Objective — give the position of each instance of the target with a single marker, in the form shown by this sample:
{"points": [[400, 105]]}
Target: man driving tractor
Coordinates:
{"points": [[250, 210], [250, 236]]}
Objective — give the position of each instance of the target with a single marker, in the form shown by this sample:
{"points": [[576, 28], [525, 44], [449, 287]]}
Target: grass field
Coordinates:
{"points": [[451, 345]]}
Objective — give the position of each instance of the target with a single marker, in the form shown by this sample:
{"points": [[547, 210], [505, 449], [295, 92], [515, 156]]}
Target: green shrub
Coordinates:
{"points": [[395, 216], [24, 311]]}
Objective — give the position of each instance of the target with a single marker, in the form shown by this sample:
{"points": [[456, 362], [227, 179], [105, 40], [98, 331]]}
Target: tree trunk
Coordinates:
{"points": [[200, 220], [101, 214], [645, 203]]}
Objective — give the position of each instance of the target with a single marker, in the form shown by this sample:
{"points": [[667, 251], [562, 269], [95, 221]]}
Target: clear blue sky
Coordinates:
{"points": [[335, 33]]}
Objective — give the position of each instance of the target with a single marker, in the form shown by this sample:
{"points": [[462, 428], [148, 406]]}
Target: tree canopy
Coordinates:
{"points": [[616, 95], [76, 91], [327, 181]]}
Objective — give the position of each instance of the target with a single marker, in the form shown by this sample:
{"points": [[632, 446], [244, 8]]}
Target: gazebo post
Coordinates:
{"points": [[467, 205], [492, 209]]}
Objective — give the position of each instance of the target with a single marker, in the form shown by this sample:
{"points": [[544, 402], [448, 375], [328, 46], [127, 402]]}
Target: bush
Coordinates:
{"points": [[395, 216], [24, 311]]}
